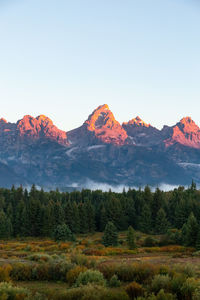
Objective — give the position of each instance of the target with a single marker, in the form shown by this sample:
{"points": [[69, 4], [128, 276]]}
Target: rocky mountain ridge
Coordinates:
{"points": [[34, 150]]}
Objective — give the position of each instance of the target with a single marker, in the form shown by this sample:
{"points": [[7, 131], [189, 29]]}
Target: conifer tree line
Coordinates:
{"points": [[37, 213]]}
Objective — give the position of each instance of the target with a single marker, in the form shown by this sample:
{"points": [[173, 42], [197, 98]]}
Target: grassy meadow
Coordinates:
{"points": [[86, 269]]}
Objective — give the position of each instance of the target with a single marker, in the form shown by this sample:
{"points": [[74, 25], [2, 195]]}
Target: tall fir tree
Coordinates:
{"points": [[192, 229], [145, 219], [161, 224], [110, 237], [131, 238]]}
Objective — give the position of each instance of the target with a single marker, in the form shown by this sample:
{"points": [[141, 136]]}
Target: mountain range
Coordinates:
{"points": [[134, 153]]}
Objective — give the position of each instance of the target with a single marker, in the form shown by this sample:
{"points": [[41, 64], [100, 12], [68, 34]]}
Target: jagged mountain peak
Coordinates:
{"points": [[188, 125], [44, 120], [39, 127], [101, 116], [100, 127], [185, 132], [2, 120], [105, 127], [136, 122]]}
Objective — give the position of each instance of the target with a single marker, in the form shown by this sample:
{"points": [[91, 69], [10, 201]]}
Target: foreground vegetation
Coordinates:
{"points": [[95, 245], [86, 269]]}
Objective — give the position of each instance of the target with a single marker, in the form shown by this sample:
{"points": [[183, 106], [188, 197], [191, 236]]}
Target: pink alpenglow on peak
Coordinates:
{"points": [[102, 122], [137, 122], [39, 127], [185, 132], [2, 120]]}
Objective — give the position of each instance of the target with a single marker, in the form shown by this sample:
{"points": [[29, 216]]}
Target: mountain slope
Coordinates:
{"points": [[34, 150], [100, 127], [141, 133], [186, 133]]}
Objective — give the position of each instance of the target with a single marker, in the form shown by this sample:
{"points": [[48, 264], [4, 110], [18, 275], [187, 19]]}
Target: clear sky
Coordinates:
{"points": [[63, 58]]}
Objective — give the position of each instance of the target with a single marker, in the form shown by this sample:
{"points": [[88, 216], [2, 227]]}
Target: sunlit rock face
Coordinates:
{"points": [[34, 150], [100, 127], [141, 133], [40, 127], [136, 122], [186, 133], [102, 122]]}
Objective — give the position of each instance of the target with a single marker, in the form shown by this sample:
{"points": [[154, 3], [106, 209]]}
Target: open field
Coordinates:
{"points": [[45, 269]]}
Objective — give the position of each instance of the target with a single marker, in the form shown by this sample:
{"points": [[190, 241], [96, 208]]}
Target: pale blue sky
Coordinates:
{"points": [[63, 58]]}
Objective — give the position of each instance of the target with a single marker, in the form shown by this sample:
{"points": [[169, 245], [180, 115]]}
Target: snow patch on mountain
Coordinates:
{"points": [[95, 147], [189, 165]]}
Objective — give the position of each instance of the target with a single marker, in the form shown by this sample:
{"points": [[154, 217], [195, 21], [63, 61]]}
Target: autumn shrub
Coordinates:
{"points": [[160, 282], [73, 274], [90, 276], [58, 270], [36, 296], [188, 270], [5, 271], [64, 246], [188, 288], [28, 248], [21, 272], [90, 292], [108, 251], [108, 270], [79, 259], [93, 251], [114, 281], [85, 242], [149, 242], [162, 295], [196, 253], [134, 290], [196, 294], [46, 243], [52, 271], [144, 271], [164, 270], [176, 284], [140, 272], [115, 295], [41, 272], [40, 257], [10, 292]]}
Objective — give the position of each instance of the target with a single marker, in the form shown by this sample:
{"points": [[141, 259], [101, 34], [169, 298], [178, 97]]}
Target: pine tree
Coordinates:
{"points": [[68, 212], [46, 221], [24, 223], [181, 214], [131, 238], [83, 218], [156, 204], [184, 234], [145, 219], [192, 229], [161, 222], [18, 219], [110, 237], [114, 211], [198, 241], [90, 216], [76, 219], [103, 218], [9, 228], [5, 226], [63, 233], [131, 214], [58, 213]]}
